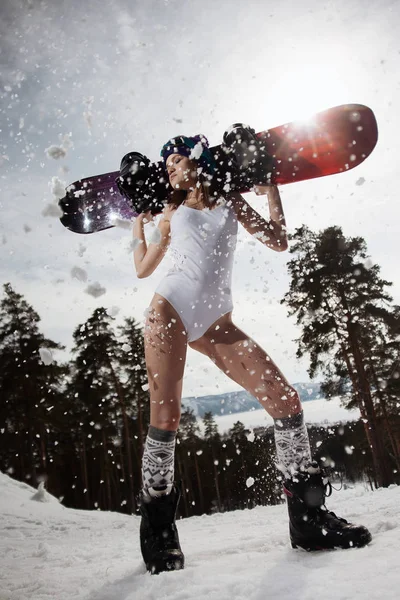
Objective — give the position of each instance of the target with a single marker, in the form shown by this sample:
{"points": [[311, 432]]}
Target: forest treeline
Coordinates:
{"points": [[80, 426]]}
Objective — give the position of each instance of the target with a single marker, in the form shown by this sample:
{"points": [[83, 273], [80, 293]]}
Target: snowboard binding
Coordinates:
{"points": [[252, 162], [143, 183]]}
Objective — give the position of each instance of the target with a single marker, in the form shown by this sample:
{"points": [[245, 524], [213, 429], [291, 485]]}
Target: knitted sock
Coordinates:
{"points": [[158, 462], [292, 444]]}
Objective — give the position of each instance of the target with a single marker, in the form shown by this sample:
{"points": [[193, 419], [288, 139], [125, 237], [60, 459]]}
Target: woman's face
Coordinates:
{"points": [[182, 172]]}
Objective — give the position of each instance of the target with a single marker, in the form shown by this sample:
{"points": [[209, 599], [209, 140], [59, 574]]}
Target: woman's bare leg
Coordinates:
{"points": [[165, 350], [244, 361], [165, 343]]}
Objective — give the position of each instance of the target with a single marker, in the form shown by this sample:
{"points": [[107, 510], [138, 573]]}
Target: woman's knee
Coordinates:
{"points": [[165, 416], [279, 402], [292, 400]]}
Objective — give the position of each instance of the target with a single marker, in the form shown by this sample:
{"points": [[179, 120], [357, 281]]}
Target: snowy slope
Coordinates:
{"points": [[48, 551]]}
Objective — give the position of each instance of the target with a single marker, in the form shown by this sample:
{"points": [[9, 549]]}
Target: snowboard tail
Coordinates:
{"points": [[94, 204], [333, 141]]}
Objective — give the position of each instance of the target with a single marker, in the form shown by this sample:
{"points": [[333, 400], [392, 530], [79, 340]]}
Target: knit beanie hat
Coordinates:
{"points": [[196, 148]]}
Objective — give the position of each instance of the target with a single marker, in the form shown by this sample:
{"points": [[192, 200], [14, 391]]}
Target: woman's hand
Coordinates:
{"points": [[262, 190], [145, 217]]}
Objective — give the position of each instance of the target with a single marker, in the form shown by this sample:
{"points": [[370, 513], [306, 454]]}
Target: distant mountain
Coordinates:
{"points": [[235, 402]]}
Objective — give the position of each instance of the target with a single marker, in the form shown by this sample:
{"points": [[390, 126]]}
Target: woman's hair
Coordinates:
{"points": [[208, 190]]}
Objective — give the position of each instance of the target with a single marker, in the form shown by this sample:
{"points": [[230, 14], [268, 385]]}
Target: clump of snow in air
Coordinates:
{"points": [[55, 152], [52, 210], [196, 152], [59, 151], [95, 290], [125, 347], [360, 181], [46, 356], [79, 274], [368, 264], [57, 188], [113, 311], [249, 482], [251, 436]]}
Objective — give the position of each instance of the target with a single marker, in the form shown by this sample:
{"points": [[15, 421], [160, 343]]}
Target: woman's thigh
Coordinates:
{"points": [[247, 363], [165, 344]]}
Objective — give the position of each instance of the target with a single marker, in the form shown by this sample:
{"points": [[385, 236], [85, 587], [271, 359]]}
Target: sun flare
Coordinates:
{"points": [[308, 90]]}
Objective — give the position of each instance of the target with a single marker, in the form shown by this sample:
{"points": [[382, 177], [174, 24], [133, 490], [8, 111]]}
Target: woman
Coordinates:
{"points": [[193, 306]]}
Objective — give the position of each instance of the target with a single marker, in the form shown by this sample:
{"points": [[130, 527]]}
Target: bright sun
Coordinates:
{"points": [[307, 90]]}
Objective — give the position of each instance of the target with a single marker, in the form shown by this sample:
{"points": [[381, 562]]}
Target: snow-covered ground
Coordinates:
{"points": [[321, 411], [48, 551]]}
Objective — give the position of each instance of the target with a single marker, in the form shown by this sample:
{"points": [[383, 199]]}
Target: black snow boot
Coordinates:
{"points": [[312, 526], [253, 163], [159, 540]]}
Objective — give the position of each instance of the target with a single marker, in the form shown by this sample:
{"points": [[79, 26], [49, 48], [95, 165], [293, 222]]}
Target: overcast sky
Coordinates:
{"points": [[101, 79]]}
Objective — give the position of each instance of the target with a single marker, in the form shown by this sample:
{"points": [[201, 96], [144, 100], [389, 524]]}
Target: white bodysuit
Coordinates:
{"points": [[202, 248]]}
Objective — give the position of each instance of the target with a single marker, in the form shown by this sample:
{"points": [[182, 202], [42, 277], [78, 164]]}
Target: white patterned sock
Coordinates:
{"points": [[292, 444], [158, 461]]}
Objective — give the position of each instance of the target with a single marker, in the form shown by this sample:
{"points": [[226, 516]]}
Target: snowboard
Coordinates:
{"points": [[333, 141]]}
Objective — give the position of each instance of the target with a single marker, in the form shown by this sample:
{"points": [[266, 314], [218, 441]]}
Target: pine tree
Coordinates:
{"points": [[30, 388], [213, 440], [210, 428], [342, 305], [132, 359], [238, 451], [95, 385], [135, 403], [188, 441]]}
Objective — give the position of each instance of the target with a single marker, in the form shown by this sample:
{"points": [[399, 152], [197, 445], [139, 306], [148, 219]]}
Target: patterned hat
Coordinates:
{"points": [[196, 148]]}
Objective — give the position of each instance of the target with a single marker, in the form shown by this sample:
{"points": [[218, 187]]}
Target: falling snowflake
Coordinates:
{"points": [[46, 356], [95, 289]]}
